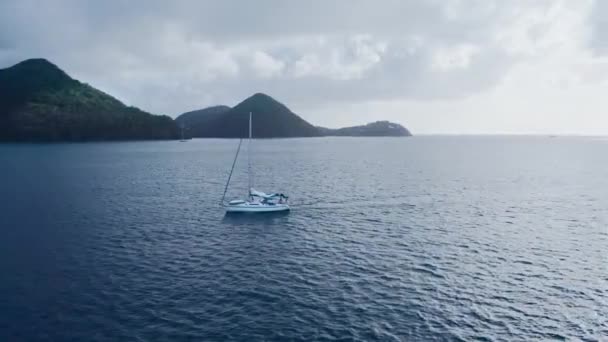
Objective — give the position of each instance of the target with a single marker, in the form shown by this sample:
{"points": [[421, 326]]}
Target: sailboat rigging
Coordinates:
{"points": [[257, 201]]}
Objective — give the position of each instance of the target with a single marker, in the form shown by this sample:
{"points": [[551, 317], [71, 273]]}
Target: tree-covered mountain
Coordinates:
{"points": [[271, 119], [40, 102], [196, 121]]}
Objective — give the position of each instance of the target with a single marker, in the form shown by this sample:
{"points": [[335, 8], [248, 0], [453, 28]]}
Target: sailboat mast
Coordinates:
{"points": [[249, 156]]}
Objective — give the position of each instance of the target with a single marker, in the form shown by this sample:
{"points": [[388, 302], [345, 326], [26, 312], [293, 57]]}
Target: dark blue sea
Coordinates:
{"points": [[430, 238]]}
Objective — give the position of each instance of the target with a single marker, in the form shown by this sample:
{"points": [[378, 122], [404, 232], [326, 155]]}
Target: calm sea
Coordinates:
{"points": [[424, 238]]}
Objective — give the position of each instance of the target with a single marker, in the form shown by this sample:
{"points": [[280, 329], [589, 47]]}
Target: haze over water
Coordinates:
{"points": [[424, 238]]}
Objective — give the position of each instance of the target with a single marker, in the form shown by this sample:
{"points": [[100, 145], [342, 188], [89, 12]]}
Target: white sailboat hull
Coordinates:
{"points": [[256, 208]]}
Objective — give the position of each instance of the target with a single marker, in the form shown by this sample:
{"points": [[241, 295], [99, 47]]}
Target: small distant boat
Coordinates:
{"points": [[257, 201], [182, 139]]}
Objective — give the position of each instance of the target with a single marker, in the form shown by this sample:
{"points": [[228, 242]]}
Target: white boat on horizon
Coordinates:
{"points": [[182, 135], [257, 201]]}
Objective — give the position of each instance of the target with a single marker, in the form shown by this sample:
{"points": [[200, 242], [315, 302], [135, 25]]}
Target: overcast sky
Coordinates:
{"points": [[437, 66]]}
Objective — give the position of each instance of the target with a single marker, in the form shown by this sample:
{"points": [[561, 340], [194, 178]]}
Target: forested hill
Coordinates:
{"points": [[40, 102]]}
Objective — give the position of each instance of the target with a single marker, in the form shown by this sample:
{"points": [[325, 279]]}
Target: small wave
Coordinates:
{"points": [[428, 272], [523, 262]]}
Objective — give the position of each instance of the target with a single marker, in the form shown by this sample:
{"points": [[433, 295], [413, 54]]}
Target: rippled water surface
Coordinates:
{"points": [[424, 238]]}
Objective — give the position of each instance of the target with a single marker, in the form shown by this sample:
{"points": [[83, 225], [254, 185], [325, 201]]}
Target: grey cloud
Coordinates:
{"points": [[172, 57], [599, 27], [397, 75]]}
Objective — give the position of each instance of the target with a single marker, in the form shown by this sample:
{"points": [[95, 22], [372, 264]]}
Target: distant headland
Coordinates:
{"points": [[272, 119], [39, 102]]}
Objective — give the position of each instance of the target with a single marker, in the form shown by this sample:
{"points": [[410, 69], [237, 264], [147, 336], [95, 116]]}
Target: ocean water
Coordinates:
{"points": [[423, 238]]}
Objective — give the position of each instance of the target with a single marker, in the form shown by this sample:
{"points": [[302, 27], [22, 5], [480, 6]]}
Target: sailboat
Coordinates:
{"points": [[257, 201], [182, 139]]}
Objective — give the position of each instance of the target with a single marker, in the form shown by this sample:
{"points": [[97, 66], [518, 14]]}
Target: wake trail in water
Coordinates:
{"points": [[377, 203]]}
